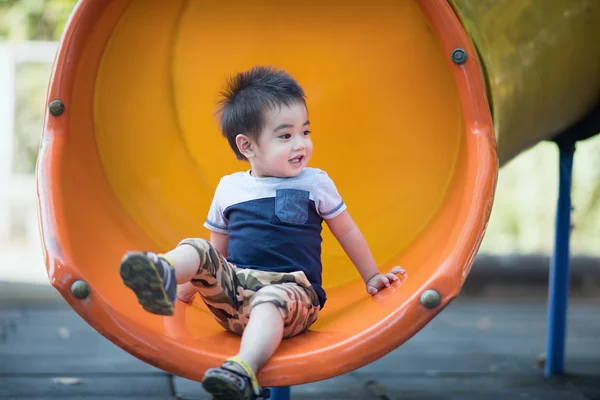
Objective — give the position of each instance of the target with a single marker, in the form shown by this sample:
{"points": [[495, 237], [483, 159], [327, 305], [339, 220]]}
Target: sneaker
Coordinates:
{"points": [[152, 278], [234, 380]]}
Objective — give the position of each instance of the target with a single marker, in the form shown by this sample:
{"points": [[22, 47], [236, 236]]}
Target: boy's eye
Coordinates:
{"points": [[306, 133], [286, 136]]}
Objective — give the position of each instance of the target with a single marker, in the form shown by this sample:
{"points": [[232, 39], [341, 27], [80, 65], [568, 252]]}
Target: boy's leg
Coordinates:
{"points": [[262, 335], [236, 378], [216, 281], [276, 311], [287, 309]]}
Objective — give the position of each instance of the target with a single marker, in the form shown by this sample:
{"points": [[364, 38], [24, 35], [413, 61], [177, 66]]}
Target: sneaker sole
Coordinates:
{"points": [[221, 389], [140, 275]]}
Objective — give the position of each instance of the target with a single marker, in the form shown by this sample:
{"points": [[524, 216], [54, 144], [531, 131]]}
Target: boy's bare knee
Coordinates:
{"points": [[269, 300], [268, 311], [200, 245]]}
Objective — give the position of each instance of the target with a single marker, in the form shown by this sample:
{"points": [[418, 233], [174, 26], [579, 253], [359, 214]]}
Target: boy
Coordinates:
{"points": [[261, 267]]}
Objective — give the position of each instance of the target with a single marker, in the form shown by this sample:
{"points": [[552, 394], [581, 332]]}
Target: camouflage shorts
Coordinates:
{"points": [[231, 292]]}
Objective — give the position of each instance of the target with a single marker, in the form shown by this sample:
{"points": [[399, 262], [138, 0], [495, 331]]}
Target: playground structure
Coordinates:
{"points": [[402, 91]]}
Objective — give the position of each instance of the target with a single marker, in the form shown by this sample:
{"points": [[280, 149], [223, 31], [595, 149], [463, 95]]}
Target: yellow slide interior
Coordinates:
{"points": [[384, 111]]}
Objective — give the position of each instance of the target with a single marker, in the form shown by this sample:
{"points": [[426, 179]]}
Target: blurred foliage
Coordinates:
{"points": [[40, 20], [31, 83], [523, 216], [34, 19]]}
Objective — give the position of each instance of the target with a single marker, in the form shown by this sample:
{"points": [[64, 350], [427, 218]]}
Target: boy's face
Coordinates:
{"points": [[284, 146]]}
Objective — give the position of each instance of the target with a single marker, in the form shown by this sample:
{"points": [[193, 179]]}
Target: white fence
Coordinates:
{"points": [[17, 191]]}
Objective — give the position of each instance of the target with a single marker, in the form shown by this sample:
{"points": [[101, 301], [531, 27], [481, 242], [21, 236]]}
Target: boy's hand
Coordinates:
{"points": [[381, 281]]}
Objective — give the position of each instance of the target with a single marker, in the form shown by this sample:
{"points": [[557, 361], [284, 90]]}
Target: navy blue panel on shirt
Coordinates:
{"points": [[279, 234]]}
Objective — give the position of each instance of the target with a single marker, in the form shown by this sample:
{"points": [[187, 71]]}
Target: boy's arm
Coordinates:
{"points": [[219, 241], [355, 245]]}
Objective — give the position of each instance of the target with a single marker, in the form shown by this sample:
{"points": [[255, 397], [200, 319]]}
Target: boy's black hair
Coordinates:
{"points": [[249, 95]]}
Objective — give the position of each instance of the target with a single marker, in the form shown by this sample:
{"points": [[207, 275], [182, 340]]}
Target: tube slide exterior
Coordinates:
{"points": [[398, 98]]}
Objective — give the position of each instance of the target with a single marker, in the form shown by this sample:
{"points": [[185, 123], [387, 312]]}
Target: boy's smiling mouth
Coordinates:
{"points": [[297, 159]]}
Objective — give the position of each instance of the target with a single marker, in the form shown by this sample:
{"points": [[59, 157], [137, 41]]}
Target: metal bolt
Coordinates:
{"points": [[459, 56], [80, 289], [430, 298], [56, 107]]}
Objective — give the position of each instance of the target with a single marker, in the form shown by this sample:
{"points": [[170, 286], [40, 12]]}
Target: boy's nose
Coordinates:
{"points": [[299, 144]]}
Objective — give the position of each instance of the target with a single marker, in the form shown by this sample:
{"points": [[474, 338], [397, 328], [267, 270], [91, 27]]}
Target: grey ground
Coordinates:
{"points": [[483, 346]]}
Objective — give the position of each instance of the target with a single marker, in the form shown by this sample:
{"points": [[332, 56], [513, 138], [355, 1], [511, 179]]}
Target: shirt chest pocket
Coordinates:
{"points": [[291, 205]]}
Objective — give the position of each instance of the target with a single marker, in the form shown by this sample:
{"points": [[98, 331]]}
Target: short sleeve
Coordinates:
{"points": [[329, 202], [216, 221]]}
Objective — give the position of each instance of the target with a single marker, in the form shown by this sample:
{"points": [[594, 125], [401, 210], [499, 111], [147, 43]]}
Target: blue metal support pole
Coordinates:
{"points": [[559, 269], [280, 393]]}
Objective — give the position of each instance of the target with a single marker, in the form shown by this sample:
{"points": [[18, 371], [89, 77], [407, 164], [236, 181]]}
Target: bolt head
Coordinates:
{"points": [[459, 56], [430, 298], [80, 289], [56, 107]]}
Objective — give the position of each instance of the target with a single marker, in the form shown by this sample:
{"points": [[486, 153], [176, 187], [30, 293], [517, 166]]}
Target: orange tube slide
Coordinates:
{"points": [[133, 160]]}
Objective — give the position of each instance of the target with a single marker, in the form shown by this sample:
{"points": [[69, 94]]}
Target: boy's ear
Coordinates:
{"points": [[245, 145]]}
